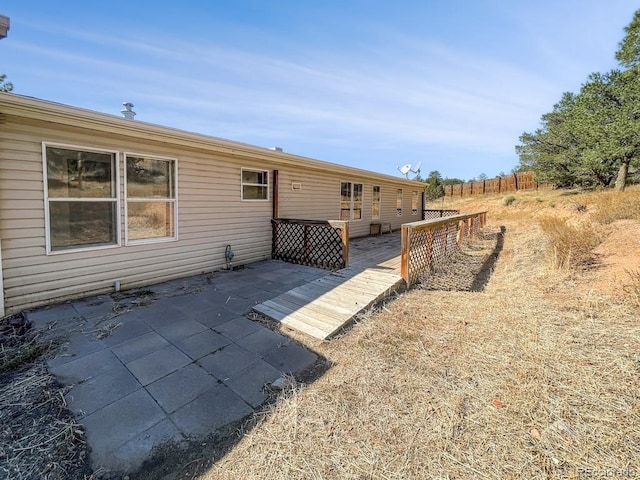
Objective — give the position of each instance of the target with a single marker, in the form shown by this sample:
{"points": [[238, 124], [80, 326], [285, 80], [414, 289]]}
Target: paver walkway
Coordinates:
{"points": [[172, 362]]}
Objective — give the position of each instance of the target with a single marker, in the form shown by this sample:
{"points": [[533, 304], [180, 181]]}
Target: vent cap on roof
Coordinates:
{"points": [[127, 112]]}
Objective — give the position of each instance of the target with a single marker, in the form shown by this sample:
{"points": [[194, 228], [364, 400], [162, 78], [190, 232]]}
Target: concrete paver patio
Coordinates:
{"points": [[172, 362]]}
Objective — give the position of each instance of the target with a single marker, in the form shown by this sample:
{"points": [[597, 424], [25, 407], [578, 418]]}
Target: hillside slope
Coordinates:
{"points": [[535, 376]]}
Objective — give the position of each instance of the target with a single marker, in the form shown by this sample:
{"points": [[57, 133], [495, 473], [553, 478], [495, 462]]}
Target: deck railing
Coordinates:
{"points": [[427, 243], [430, 214], [317, 243]]}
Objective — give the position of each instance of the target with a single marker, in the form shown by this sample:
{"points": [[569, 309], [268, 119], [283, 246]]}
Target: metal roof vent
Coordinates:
{"points": [[127, 112]]}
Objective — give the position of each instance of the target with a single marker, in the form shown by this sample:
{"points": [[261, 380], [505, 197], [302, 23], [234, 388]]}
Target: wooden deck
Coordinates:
{"points": [[322, 307]]}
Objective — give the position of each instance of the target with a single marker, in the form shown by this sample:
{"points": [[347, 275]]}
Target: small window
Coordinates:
{"points": [[375, 203], [399, 203], [80, 198], [350, 201], [151, 198], [414, 203], [255, 184], [345, 200], [357, 202]]}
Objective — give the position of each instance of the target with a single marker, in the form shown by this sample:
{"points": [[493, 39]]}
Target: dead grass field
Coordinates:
{"points": [[537, 376]]}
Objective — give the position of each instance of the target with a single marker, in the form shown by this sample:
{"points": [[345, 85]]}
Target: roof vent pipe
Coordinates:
{"points": [[127, 112]]}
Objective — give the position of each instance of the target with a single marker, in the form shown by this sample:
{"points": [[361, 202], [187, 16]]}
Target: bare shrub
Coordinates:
{"points": [[570, 246]]}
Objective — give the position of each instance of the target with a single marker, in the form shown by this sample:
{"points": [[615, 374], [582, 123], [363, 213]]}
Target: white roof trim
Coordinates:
{"points": [[29, 107]]}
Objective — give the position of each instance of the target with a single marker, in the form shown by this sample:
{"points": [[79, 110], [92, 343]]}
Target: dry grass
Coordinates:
{"points": [[610, 206], [632, 289], [39, 438], [569, 246], [526, 379]]}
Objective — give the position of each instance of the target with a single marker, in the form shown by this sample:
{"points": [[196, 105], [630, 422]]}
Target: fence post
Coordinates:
{"points": [[274, 237], [404, 254], [345, 243]]}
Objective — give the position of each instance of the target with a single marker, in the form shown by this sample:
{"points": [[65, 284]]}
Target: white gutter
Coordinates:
{"points": [[29, 107]]}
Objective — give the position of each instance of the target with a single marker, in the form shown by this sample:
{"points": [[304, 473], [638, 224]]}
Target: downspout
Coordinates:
{"points": [[276, 196], [275, 213], [4, 28]]}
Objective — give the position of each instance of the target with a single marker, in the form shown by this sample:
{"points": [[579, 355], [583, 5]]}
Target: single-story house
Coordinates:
{"points": [[90, 202]]}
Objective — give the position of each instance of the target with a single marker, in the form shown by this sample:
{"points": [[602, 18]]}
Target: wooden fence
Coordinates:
{"points": [[317, 243], [509, 183], [428, 243]]}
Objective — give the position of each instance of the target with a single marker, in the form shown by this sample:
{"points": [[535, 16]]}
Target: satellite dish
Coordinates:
{"points": [[405, 169], [417, 170]]}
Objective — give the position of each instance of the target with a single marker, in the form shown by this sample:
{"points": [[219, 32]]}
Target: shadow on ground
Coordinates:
{"points": [[482, 277], [194, 458], [468, 270]]}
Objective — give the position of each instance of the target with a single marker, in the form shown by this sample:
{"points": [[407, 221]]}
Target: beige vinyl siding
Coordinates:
{"points": [[210, 211], [210, 216], [319, 199]]}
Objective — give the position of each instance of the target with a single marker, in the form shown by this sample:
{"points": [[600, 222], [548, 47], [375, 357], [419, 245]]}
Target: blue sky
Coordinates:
{"points": [[371, 84]]}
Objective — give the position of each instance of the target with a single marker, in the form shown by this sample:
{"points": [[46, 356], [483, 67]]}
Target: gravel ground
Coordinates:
{"points": [[467, 270]]}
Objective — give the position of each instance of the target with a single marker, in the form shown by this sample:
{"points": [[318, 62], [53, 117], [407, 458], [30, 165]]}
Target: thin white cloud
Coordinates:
{"points": [[388, 91], [399, 101]]}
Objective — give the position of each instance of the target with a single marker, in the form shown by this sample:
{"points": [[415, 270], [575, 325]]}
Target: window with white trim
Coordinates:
{"points": [[150, 198], [399, 203], [414, 203], [81, 197], [255, 184], [375, 203], [350, 201]]}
